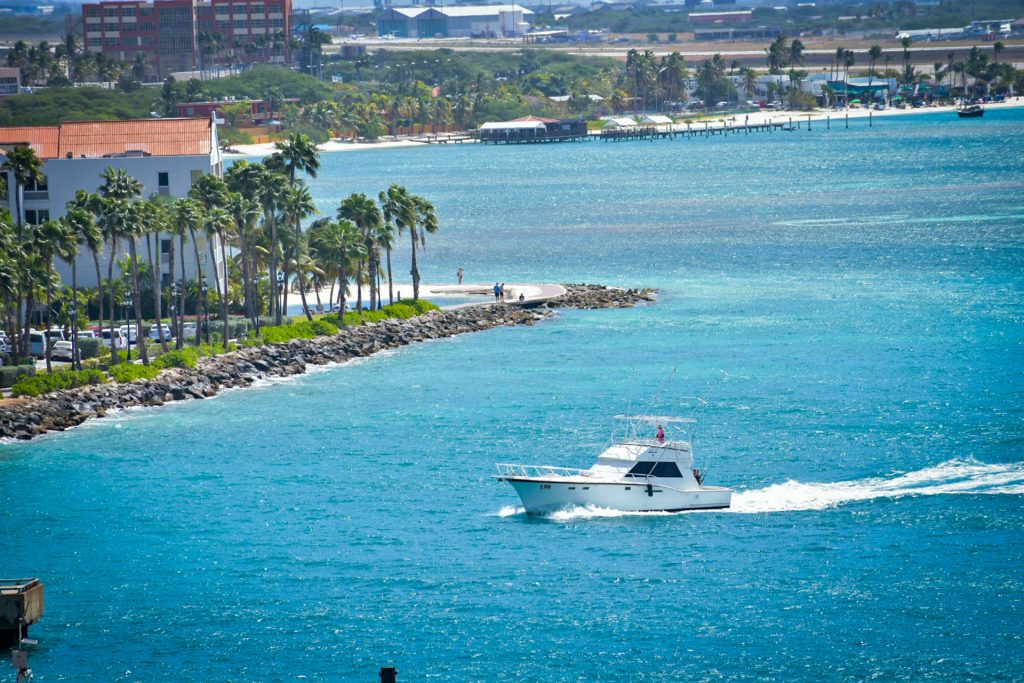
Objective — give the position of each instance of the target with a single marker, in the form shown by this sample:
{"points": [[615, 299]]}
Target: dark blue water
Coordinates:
{"points": [[847, 303]]}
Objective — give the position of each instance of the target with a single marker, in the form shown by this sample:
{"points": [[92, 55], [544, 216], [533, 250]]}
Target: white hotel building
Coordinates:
{"points": [[165, 155]]}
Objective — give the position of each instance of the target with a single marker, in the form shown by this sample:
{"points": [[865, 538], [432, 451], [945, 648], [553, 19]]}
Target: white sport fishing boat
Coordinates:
{"points": [[635, 474]]}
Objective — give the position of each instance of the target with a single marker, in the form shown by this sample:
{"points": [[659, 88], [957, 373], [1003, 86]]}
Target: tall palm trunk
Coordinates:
{"points": [[391, 287], [181, 294], [76, 362], [302, 295], [224, 299], [199, 278], [414, 271], [110, 297], [49, 311], [140, 338], [174, 303], [275, 303], [342, 291], [157, 290], [216, 282], [99, 286], [359, 286], [373, 279]]}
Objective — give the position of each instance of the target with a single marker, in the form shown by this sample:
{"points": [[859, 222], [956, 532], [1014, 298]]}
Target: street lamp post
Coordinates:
{"points": [[280, 290], [175, 320], [128, 303], [73, 312], [203, 289], [256, 304]]}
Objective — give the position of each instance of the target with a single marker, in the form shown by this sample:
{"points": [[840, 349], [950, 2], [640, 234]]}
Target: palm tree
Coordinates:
{"points": [[187, 216], [218, 223], [906, 42], [296, 204], [50, 238], [82, 230], [26, 168], [874, 53], [848, 61], [395, 211], [244, 213], [82, 211], [337, 244], [135, 227], [119, 191], [426, 221], [362, 211]]}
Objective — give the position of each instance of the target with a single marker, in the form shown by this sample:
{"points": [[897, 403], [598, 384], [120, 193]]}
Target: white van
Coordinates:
{"points": [[119, 340], [36, 343]]}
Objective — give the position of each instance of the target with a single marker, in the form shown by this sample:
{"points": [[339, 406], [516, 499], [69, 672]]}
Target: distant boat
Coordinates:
{"points": [[636, 474], [970, 111]]}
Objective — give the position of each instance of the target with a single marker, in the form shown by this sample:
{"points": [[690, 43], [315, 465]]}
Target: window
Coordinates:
{"points": [[659, 469], [165, 246], [95, 42], [128, 12], [196, 175], [258, 23], [110, 12], [163, 184], [277, 23], [257, 9], [37, 216], [240, 23], [110, 41], [92, 12], [37, 191]]}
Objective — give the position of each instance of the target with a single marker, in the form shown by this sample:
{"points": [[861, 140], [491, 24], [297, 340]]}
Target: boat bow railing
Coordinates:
{"points": [[507, 470]]}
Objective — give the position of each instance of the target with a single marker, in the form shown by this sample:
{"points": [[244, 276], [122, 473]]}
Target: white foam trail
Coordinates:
{"points": [[951, 477]]}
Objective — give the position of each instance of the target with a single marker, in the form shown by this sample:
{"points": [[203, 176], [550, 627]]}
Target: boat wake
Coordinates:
{"points": [[949, 478]]}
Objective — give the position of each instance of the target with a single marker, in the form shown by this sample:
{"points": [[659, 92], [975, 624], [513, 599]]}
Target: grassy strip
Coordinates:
{"points": [[37, 385]]}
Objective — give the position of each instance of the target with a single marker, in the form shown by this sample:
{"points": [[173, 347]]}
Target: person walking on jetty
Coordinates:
{"points": [[461, 273], [501, 291], [497, 292]]}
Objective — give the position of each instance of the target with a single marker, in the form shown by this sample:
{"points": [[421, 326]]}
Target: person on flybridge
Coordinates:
{"points": [[661, 434]]}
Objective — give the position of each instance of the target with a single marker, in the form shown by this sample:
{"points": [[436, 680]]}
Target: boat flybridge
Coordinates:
{"points": [[637, 473]]}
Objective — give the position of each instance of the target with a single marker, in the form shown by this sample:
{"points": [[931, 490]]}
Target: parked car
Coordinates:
{"points": [[86, 334], [62, 350], [55, 334], [154, 332], [113, 339], [188, 330], [131, 333]]}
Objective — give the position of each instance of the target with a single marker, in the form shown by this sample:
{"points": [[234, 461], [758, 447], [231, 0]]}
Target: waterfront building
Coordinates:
{"points": [[460, 21], [10, 81], [184, 35], [166, 155]]}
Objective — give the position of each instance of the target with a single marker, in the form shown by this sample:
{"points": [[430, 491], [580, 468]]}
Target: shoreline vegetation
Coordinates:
{"points": [[753, 119], [27, 418]]}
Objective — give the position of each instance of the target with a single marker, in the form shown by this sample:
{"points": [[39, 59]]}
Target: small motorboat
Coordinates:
{"points": [[635, 474], [970, 111]]}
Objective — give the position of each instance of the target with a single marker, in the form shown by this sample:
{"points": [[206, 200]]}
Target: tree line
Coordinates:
{"points": [[256, 210]]}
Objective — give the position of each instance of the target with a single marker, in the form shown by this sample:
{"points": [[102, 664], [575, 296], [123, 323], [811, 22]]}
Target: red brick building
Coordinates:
{"points": [[184, 35]]}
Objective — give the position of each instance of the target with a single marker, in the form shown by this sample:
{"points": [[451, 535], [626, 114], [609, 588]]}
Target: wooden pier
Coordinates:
{"points": [[21, 604], [642, 133]]}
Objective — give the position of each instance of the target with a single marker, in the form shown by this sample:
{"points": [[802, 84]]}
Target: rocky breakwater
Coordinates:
{"points": [[28, 418]]}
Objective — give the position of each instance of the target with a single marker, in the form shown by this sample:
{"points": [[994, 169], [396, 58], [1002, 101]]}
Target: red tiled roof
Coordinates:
{"points": [[156, 137], [43, 139]]}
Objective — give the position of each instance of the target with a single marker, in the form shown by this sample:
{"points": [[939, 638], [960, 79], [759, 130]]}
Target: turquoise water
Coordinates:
{"points": [[848, 304]]}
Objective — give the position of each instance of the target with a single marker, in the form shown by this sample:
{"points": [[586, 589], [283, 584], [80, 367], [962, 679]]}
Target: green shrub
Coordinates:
{"points": [[304, 329], [9, 374], [89, 347], [421, 305], [400, 311], [183, 358], [38, 385], [129, 372]]}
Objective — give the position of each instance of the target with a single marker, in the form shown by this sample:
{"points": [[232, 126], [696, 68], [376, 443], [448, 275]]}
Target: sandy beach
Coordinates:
{"points": [[754, 119]]}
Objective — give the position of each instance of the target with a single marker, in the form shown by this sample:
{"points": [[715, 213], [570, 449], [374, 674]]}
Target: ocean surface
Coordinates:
{"points": [[841, 309]]}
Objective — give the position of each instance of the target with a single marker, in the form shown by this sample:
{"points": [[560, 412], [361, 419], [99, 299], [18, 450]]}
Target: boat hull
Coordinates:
{"points": [[970, 113], [544, 496]]}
